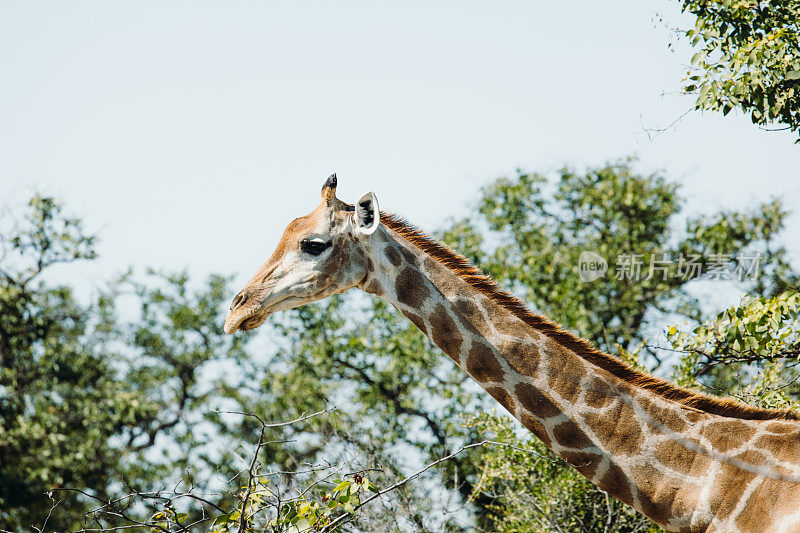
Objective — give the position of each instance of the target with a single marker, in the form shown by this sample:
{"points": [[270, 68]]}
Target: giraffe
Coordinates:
{"points": [[688, 461]]}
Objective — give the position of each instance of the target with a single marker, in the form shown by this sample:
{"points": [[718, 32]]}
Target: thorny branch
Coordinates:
{"points": [[347, 517], [252, 470], [119, 507]]}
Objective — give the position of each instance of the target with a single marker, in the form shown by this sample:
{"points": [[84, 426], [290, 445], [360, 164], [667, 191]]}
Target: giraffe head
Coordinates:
{"points": [[320, 254]]}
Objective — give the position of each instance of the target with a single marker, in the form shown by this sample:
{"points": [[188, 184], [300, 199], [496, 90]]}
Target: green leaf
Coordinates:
{"points": [[341, 486]]}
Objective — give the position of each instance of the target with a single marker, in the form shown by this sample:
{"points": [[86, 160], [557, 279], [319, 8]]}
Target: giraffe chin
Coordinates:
{"points": [[253, 322], [257, 316]]}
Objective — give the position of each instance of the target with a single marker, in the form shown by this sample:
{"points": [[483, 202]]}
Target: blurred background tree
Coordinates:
{"points": [[139, 390]]}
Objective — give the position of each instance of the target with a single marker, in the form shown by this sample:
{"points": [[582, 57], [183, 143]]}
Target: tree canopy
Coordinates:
{"points": [[157, 418], [747, 57]]}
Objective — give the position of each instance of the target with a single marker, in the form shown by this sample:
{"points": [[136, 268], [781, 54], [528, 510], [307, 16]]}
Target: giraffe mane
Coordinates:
{"points": [[461, 266]]}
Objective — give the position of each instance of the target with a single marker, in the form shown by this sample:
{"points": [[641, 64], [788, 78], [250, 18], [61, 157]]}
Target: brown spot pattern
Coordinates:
{"points": [[500, 302], [373, 287], [450, 286], [408, 256], [656, 492], [730, 484], [521, 357], [784, 447], [598, 393], [534, 401], [502, 396], [678, 457], [668, 417], [729, 434], [503, 320], [411, 288], [535, 427], [617, 429], [781, 427], [471, 317], [556, 357], [584, 462], [339, 257], [482, 363], [570, 435], [393, 256], [693, 415], [615, 482], [763, 503], [567, 385], [417, 320], [445, 333]]}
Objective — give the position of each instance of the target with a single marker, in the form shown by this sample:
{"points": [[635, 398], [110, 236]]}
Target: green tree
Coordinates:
{"points": [[539, 491], [750, 351], [540, 225], [59, 401], [529, 232], [535, 229], [182, 404], [85, 396], [747, 57]]}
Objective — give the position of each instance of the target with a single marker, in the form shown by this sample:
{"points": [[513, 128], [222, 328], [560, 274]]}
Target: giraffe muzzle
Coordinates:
{"points": [[249, 310]]}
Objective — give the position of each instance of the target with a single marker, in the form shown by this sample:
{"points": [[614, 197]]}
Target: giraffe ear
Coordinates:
{"points": [[367, 214]]}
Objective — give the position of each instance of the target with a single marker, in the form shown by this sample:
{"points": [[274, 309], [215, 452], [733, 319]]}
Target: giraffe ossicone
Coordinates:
{"points": [[688, 461]]}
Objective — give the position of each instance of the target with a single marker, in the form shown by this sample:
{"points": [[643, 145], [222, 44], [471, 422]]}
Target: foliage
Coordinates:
{"points": [[172, 347], [84, 397], [315, 508], [540, 492], [543, 224], [747, 58], [59, 401], [750, 351], [175, 405], [537, 227], [400, 399]]}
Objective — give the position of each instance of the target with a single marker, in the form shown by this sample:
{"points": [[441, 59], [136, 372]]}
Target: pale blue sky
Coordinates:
{"points": [[189, 133]]}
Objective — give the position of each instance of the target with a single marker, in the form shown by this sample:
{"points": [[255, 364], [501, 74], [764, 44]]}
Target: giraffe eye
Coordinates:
{"points": [[314, 246]]}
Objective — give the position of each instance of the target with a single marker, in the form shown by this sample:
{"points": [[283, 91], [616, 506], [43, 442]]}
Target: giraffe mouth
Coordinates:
{"points": [[246, 319], [242, 321], [252, 322]]}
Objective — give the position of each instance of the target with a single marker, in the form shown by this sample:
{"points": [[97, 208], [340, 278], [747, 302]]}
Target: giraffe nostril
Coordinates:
{"points": [[239, 301]]}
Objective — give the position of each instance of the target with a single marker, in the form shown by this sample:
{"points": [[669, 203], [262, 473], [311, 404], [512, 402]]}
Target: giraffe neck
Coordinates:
{"points": [[628, 441]]}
